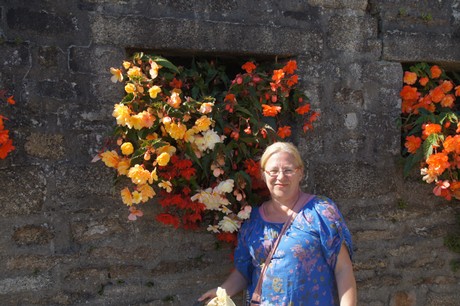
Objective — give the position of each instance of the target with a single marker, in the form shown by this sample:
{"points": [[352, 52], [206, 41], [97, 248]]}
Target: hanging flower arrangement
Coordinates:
{"points": [[191, 137], [431, 129], [6, 143]]}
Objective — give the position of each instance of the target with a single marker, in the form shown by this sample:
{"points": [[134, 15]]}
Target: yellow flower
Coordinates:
{"points": [[137, 197], [166, 185], [127, 148], [138, 175], [146, 192], [153, 176], [134, 72], [189, 135], [126, 64], [130, 88], [176, 130], [175, 100], [117, 75], [154, 91], [126, 196], [203, 123], [123, 166], [110, 158], [206, 108], [154, 69], [163, 159], [142, 120], [122, 113], [171, 150]]}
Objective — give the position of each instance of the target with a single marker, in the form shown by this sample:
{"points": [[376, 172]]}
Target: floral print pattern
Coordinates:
{"points": [[301, 272]]}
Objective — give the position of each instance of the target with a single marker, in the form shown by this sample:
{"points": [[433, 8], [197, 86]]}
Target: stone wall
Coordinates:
{"points": [[65, 238]]}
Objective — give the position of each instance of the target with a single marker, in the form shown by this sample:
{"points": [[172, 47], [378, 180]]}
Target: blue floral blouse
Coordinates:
{"points": [[301, 271]]}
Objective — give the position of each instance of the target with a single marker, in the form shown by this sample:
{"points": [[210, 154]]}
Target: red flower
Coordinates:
{"points": [[168, 219]]}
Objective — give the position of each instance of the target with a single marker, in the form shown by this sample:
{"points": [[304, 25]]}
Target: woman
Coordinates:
{"points": [[312, 264]]}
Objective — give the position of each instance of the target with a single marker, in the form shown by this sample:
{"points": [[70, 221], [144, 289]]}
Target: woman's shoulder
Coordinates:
{"points": [[322, 206]]}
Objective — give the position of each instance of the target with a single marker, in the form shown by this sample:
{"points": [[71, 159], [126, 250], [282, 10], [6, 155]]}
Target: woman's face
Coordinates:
{"points": [[282, 175]]}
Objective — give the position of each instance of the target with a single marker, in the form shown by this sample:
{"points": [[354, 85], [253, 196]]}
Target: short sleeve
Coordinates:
{"points": [[333, 231]]}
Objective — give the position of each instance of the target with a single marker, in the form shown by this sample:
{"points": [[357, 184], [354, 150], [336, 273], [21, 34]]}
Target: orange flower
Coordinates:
{"points": [[452, 144], [175, 100], [448, 101], [270, 111], [413, 143], [175, 83], [409, 93], [277, 75], [447, 86], [293, 80], [252, 168], [230, 98], [302, 110], [290, 67], [284, 131], [249, 67], [437, 94], [442, 190], [10, 100], [6, 148], [435, 72], [410, 77], [307, 127], [457, 91], [438, 163], [430, 128], [423, 81]]}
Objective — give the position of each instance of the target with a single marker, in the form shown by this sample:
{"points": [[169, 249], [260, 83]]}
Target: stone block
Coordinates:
{"points": [[32, 234], [86, 231], [47, 146], [25, 283], [170, 34], [403, 298], [340, 4], [23, 191], [44, 22], [59, 89], [350, 33], [361, 180]]}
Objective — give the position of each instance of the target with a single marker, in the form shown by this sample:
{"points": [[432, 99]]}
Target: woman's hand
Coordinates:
{"points": [[208, 295]]}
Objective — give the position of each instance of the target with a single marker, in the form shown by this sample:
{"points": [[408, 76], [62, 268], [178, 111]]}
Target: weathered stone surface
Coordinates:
{"points": [[33, 234], [23, 191], [66, 239], [45, 145]]}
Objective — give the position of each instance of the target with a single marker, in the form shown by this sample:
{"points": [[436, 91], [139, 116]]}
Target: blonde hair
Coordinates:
{"points": [[281, 147]]}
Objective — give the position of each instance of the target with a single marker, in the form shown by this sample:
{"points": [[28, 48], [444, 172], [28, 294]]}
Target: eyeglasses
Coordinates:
{"points": [[286, 172]]}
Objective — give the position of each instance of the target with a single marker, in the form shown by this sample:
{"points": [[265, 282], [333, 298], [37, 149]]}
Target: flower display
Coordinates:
{"points": [[430, 127], [6, 143], [191, 137]]}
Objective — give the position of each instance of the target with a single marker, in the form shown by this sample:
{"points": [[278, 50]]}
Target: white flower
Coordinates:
{"points": [[245, 212], [213, 228], [212, 200], [229, 225], [222, 299], [427, 177], [225, 186]]}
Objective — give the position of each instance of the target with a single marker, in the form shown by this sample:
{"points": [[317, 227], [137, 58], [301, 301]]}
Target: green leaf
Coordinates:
{"points": [[428, 144]]}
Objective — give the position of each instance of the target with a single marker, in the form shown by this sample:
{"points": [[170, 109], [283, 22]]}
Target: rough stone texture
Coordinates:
{"points": [[65, 238]]}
